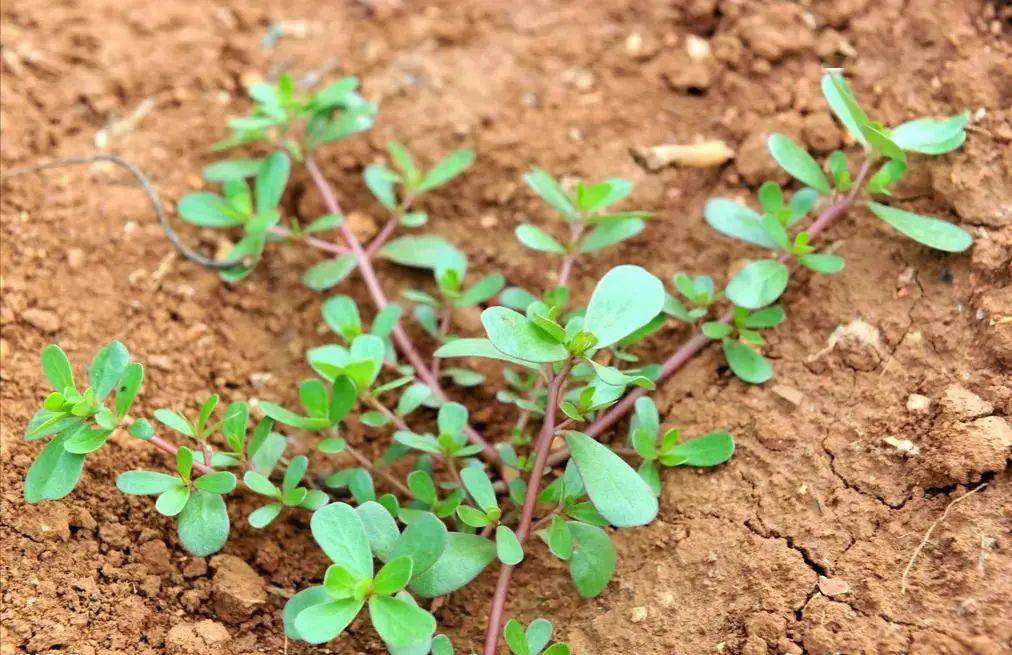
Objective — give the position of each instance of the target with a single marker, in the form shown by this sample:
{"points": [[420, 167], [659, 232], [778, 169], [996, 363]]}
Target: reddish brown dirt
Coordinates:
{"points": [[733, 564]]}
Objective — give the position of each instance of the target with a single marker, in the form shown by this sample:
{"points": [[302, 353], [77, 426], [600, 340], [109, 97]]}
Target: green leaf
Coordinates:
{"points": [[412, 398], [543, 184], [735, 220], [208, 210], [129, 385], [881, 142], [716, 329], [932, 232], [174, 421], [481, 290], [288, 417], [624, 300], [86, 441], [442, 645], [380, 528], [343, 394], [465, 556], [381, 180], [340, 533], [322, 622], [271, 180], [340, 313], [841, 100], [616, 490], [479, 487], [232, 169], [746, 363], [329, 272], [141, 429], [419, 251], [301, 601], [931, 137], [514, 335], [399, 623], [539, 633], [263, 516], [559, 538], [798, 163], [765, 318], [758, 284], [251, 246], [145, 483], [508, 547], [706, 450], [424, 541], [477, 348], [107, 368], [393, 576], [608, 234], [173, 500], [219, 482], [536, 239], [513, 635], [259, 483], [822, 263], [448, 168], [55, 472], [593, 560], [56, 367]]}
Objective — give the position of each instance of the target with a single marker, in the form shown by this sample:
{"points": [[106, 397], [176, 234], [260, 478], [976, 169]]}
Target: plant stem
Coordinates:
{"points": [[444, 326], [698, 341], [400, 337], [162, 444], [320, 244], [367, 464], [527, 509]]}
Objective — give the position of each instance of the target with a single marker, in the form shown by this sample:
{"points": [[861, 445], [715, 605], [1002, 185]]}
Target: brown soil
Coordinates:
{"points": [[906, 344]]}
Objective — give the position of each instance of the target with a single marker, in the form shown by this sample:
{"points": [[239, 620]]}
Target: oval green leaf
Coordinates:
{"points": [[614, 487]]}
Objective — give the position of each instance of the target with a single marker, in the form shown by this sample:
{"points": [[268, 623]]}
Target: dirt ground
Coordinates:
{"points": [[892, 395]]}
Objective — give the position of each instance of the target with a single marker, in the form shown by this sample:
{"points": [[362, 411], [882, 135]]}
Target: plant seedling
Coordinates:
{"points": [[564, 366], [203, 524], [290, 494]]}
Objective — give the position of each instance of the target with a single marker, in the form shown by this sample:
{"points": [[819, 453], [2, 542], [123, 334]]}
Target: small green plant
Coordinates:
{"points": [[466, 503]]}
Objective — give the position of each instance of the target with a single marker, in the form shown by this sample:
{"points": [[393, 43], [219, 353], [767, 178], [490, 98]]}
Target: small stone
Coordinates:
{"points": [[918, 403], [963, 404], [196, 638], [195, 567], [75, 258], [638, 614], [833, 586], [237, 589], [260, 380], [43, 319], [788, 393], [488, 221], [698, 155], [362, 225], [903, 446], [634, 44], [697, 47]]}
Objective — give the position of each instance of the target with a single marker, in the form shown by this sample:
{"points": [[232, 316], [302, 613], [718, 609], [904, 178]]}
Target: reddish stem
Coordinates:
{"points": [[527, 509], [698, 341], [400, 337], [162, 444]]}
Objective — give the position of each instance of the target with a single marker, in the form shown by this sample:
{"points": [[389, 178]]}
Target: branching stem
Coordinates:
{"points": [[523, 530], [379, 298], [698, 341]]}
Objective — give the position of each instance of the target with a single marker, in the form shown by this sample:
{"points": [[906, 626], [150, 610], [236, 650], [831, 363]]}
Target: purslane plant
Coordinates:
{"points": [[464, 503]]}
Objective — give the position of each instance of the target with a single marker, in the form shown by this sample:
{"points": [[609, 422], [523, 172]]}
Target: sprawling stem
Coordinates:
{"points": [[527, 509], [398, 334], [698, 341], [367, 464], [162, 444]]}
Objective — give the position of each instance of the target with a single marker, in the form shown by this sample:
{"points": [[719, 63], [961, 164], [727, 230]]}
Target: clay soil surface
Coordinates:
{"points": [[892, 395]]}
